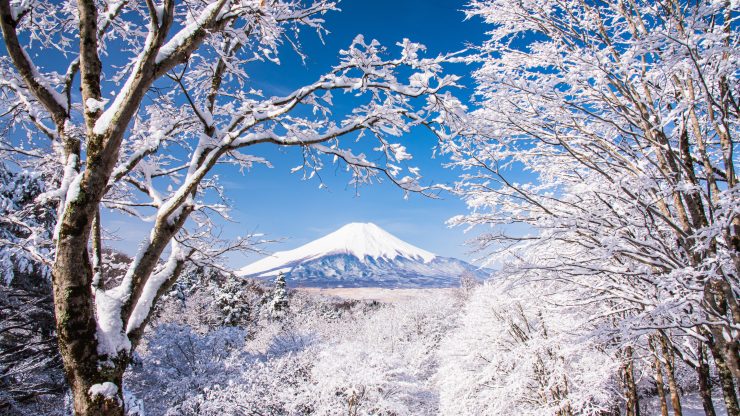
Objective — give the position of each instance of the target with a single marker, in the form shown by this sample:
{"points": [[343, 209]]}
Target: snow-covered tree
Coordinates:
{"points": [[165, 96], [513, 353], [603, 157], [369, 361], [279, 299], [237, 299], [25, 226]]}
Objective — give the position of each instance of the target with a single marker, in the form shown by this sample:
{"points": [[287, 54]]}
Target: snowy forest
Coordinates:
{"points": [[591, 144]]}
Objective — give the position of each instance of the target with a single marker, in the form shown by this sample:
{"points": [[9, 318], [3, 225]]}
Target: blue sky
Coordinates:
{"points": [[282, 205]]}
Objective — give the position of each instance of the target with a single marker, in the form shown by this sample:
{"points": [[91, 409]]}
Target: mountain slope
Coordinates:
{"points": [[361, 255]]}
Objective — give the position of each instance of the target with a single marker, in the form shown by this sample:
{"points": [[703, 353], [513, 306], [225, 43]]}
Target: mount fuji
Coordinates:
{"points": [[362, 255]]}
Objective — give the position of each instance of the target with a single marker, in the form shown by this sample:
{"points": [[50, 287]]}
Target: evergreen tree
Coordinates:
{"points": [[234, 301], [279, 302], [214, 298]]}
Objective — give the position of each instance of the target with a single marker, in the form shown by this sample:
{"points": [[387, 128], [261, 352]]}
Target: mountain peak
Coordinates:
{"points": [[368, 240], [362, 255], [360, 226], [365, 241]]}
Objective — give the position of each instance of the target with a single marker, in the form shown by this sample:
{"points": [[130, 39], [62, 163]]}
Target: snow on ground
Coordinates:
{"points": [[379, 294], [690, 405]]}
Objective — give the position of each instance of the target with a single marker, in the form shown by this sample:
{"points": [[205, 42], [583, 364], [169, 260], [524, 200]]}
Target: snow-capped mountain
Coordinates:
{"points": [[362, 255]]}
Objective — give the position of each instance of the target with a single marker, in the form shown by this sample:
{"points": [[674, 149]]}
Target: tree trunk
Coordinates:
{"points": [[658, 368], [85, 404], [720, 301], [630, 388], [705, 383], [76, 329], [726, 379], [671, 373]]}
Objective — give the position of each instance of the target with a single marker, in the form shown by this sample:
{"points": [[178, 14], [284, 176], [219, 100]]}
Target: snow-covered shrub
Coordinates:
{"points": [[382, 362], [177, 363], [191, 367], [325, 357], [267, 386]]}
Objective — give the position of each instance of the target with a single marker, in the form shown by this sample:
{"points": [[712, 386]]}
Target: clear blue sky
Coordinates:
{"points": [[281, 205]]}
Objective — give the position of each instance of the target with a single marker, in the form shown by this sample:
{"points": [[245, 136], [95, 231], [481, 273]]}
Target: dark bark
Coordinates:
{"points": [[90, 65], [726, 379], [705, 382]]}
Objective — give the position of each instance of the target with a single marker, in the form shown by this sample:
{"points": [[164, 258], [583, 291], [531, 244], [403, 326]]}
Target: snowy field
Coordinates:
{"points": [[379, 294]]}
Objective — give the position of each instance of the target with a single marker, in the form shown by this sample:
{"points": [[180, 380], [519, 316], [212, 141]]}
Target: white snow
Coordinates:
{"points": [[110, 335], [94, 105], [44, 82], [106, 389], [151, 287], [71, 194], [159, 9], [188, 31], [74, 188], [359, 239]]}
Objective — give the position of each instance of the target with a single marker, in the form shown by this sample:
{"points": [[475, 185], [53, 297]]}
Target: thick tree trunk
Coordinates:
{"points": [[719, 301], [726, 379], [705, 383], [85, 404], [730, 350], [76, 326]]}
